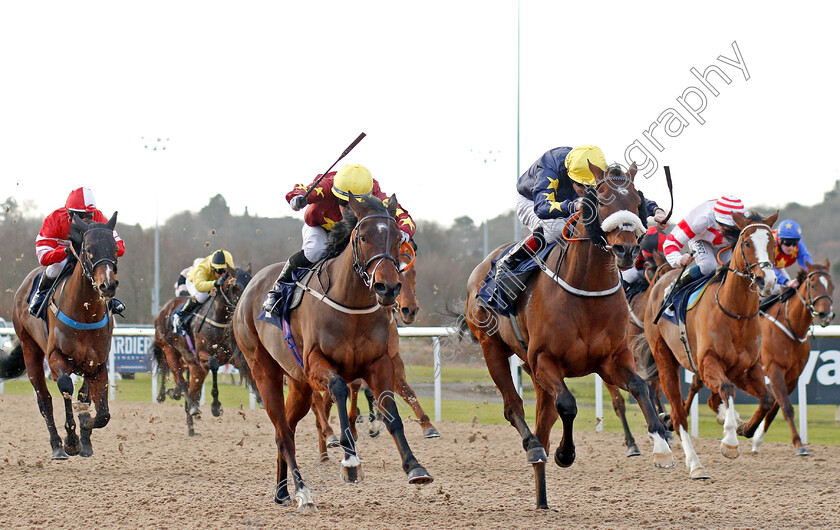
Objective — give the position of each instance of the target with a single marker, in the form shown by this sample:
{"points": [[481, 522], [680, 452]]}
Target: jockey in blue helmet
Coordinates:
{"points": [[790, 249]]}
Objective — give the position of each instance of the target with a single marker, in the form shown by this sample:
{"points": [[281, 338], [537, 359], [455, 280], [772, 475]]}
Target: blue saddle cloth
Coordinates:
{"points": [[499, 297], [287, 292], [686, 298]]}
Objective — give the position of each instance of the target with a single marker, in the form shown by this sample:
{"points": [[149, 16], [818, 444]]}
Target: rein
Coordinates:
{"points": [[809, 306]]}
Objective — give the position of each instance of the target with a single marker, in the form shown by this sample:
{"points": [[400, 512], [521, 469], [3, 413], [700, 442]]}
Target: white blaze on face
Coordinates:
{"points": [[824, 281], [761, 239]]}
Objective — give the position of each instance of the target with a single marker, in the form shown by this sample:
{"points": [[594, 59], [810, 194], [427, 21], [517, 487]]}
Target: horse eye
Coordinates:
{"points": [[363, 239]]}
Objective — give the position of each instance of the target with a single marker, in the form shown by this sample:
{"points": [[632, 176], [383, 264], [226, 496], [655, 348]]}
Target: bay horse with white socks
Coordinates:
{"points": [[342, 329], [76, 339], [724, 336], [573, 317]]}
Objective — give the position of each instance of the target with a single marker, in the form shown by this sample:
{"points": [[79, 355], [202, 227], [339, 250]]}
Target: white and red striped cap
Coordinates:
{"points": [[81, 200], [724, 208]]}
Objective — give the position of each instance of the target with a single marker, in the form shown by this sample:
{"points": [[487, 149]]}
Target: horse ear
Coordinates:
{"points": [[249, 268], [112, 222], [392, 205], [772, 219], [596, 171], [631, 172], [353, 203], [827, 265], [740, 220]]}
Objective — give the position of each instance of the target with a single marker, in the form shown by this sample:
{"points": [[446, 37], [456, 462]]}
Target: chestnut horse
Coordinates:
{"points": [[210, 346], [724, 337], [406, 309], [785, 345], [641, 352], [574, 321], [76, 338], [342, 329]]}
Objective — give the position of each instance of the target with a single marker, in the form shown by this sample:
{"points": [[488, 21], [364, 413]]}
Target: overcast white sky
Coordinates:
{"points": [[257, 96]]}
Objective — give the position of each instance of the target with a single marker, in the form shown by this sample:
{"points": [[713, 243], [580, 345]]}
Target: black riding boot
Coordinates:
{"points": [[44, 286], [527, 248], [181, 319], [296, 261]]}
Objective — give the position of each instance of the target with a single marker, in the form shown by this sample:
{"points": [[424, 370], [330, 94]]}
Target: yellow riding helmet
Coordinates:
{"points": [[354, 179], [577, 163]]}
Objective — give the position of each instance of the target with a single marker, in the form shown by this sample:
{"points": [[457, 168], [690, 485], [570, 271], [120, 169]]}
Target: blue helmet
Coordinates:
{"points": [[789, 229]]}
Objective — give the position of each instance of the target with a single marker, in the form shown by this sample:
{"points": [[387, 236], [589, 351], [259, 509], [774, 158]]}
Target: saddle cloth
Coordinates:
{"points": [[503, 297], [686, 298]]}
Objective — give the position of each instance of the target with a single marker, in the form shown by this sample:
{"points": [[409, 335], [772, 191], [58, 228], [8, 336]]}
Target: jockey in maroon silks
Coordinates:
{"points": [[52, 246], [326, 208]]}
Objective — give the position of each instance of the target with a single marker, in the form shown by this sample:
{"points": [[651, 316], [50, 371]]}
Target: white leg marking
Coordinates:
{"points": [[730, 437], [660, 446], [758, 437], [305, 503], [692, 461], [351, 461]]}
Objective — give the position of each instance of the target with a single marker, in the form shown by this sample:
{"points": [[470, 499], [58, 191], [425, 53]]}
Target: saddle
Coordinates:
{"points": [[501, 291], [66, 271], [686, 298]]}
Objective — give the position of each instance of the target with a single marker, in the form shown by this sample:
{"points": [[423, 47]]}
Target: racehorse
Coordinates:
{"points": [[76, 337], [645, 366], [785, 345], [406, 309], [342, 329], [574, 321], [209, 346], [722, 332]]}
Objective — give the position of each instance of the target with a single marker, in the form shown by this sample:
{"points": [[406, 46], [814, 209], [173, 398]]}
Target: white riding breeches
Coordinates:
{"points": [[314, 242]]}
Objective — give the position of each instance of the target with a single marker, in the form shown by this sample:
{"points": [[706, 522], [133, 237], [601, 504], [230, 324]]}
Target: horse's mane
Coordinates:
{"points": [[77, 233], [801, 276], [340, 235], [732, 233], [242, 277]]}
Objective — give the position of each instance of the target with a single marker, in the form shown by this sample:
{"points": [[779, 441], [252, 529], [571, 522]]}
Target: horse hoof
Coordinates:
{"points": [[307, 509], [730, 451], [802, 451], [536, 455], [217, 411], [86, 452], [304, 500], [71, 445], [633, 450], [281, 497], [374, 432], [192, 433], [352, 475], [59, 454], [431, 432], [161, 398], [563, 460], [664, 460], [699, 473], [666, 420], [419, 475], [333, 441]]}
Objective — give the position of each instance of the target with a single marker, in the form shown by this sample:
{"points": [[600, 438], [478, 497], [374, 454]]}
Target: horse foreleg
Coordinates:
{"points": [[669, 377], [715, 378], [268, 376], [353, 414], [695, 387], [656, 391], [323, 375], [321, 404], [61, 373], [621, 412], [34, 359], [546, 418], [216, 406], [98, 389], [379, 376], [408, 395], [620, 372]]}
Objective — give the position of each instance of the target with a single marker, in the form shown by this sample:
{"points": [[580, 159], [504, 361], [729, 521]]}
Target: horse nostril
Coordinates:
{"points": [[116, 283], [406, 311], [380, 288], [102, 287]]}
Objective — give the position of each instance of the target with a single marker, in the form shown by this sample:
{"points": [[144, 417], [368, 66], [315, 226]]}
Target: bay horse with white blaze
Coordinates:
{"points": [[209, 346], [342, 329], [573, 317], [76, 339], [723, 335]]}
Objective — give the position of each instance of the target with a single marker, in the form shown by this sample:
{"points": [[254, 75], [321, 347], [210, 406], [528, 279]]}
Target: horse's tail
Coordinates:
{"points": [[159, 357], [457, 314], [238, 360], [12, 363]]}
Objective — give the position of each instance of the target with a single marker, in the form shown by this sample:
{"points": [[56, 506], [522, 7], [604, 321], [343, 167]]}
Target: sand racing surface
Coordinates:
{"points": [[147, 473]]}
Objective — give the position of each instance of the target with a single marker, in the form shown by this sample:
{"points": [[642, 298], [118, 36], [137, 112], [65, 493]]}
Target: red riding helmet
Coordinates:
{"points": [[81, 200]]}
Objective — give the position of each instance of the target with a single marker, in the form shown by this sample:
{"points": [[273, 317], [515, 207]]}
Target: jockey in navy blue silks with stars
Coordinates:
{"points": [[551, 191], [790, 249]]}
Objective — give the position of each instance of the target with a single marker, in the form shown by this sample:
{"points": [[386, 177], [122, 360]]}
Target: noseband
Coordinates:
{"points": [[87, 266], [748, 271], [360, 265], [810, 303]]}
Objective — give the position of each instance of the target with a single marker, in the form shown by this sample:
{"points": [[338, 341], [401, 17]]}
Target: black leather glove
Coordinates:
{"points": [[298, 202]]}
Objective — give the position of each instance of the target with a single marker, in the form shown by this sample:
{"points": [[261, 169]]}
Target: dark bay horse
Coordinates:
{"points": [[645, 366], [76, 339], [785, 345], [342, 329], [211, 345], [406, 310], [573, 317], [724, 337]]}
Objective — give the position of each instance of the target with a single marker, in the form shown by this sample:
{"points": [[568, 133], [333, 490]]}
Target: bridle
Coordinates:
{"points": [[811, 302], [619, 220], [360, 265], [748, 269], [87, 266]]}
